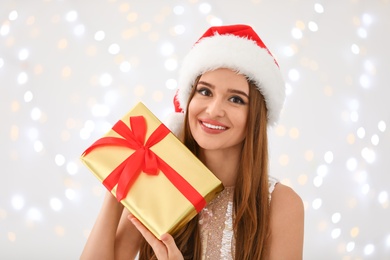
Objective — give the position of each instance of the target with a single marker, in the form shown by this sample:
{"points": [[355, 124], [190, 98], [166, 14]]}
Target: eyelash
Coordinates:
{"points": [[203, 90], [240, 100], [207, 92]]}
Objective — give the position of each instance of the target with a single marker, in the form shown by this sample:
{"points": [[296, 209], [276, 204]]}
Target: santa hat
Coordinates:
{"points": [[236, 47]]}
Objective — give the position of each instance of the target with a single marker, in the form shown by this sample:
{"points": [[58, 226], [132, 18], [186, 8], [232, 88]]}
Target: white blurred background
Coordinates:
{"points": [[71, 69]]}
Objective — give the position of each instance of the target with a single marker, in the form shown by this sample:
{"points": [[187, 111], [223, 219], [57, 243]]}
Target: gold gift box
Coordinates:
{"points": [[153, 199]]}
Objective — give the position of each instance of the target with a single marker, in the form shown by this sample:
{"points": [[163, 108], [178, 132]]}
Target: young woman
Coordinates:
{"points": [[230, 91]]}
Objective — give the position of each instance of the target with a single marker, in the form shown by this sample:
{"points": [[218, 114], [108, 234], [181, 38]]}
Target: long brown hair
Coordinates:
{"points": [[251, 195]]}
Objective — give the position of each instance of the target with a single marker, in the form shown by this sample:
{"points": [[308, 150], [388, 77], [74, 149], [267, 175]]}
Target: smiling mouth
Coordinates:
{"points": [[216, 127]]}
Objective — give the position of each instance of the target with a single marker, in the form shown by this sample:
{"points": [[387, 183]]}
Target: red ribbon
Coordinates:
{"points": [[142, 160]]}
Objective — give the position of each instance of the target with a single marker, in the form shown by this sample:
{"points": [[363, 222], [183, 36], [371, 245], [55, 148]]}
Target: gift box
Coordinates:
{"points": [[151, 172]]}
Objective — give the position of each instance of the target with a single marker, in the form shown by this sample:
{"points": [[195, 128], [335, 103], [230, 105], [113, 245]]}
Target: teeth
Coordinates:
{"points": [[214, 126]]}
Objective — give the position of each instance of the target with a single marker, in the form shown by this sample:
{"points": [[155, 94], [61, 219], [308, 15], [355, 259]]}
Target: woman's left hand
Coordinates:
{"points": [[165, 249]]}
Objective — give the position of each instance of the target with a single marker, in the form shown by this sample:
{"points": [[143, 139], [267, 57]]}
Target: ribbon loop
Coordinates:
{"points": [[142, 160], [138, 126]]}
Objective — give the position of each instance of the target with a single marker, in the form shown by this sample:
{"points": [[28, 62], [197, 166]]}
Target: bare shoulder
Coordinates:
{"points": [[285, 199], [286, 224]]}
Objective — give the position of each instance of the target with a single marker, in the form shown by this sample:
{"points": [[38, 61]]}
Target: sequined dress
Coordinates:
{"points": [[216, 225]]}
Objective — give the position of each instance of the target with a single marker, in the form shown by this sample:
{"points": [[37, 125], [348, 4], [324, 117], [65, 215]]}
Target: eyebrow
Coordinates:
{"points": [[230, 90]]}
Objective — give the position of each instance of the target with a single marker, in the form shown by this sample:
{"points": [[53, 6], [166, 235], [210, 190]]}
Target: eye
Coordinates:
{"points": [[237, 100], [204, 91]]}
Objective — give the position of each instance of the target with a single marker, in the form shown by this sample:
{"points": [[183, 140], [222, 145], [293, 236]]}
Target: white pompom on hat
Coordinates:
{"points": [[239, 48]]}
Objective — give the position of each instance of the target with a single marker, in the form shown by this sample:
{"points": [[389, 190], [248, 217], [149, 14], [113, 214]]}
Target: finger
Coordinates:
{"points": [[173, 251], [141, 228], [158, 247]]}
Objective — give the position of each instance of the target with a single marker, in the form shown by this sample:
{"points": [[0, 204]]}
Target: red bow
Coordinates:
{"points": [[142, 160]]}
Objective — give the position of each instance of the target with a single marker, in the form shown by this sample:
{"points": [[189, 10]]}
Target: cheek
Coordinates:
{"points": [[193, 108], [241, 120]]}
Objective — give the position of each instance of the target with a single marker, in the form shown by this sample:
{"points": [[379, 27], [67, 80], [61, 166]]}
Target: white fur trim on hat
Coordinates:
{"points": [[175, 123], [241, 55]]}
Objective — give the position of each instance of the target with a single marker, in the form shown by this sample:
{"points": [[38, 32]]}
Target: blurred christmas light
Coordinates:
{"points": [[100, 110], [205, 8], [179, 29], [171, 84], [350, 246], [125, 66], [72, 168], [34, 214], [322, 170], [351, 164], [55, 204], [367, 19], [71, 16], [382, 126], [368, 154], [318, 8], [317, 203], [288, 51], [328, 157], [13, 15], [312, 26], [59, 159], [4, 29], [23, 54], [178, 10], [293, 75], [362, 33], [28, 96], [369, 249], [383, 197], [296, 33], [336, 233], [387, 241], [336, 217], [361, 133], [355, 49], [105, 79], [100, 35], [215, 21], [17, 202], [36, 114], [70, 194], [375, 140], [38, 146], [114, 49], [365, 81], [22, 78], [79, 29]]}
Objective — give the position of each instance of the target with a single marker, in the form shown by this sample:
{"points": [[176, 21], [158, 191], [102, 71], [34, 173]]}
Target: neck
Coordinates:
{"points": [[222, 163]]}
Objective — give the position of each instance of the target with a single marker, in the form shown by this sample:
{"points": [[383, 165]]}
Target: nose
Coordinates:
{"points": [[215, 108]]}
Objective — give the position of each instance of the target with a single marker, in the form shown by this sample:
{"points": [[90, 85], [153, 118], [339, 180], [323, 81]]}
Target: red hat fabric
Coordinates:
{"points": [[239, 48]]}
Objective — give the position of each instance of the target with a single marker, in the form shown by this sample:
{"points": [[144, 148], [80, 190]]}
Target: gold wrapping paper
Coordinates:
{"points": [[153, 199]]}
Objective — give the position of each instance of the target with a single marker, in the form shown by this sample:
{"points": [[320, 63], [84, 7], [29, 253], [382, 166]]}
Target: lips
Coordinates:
{"points": [[212, 125], [216, 127]]}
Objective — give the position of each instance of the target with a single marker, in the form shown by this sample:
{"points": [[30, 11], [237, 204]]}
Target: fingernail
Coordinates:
{"points": [[164, 237]]}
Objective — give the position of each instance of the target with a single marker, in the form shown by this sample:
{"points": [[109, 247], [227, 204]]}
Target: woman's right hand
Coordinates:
{"points": [[165, 249]]}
